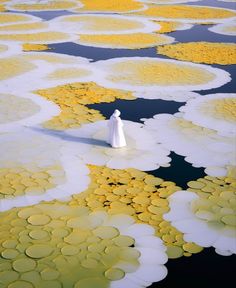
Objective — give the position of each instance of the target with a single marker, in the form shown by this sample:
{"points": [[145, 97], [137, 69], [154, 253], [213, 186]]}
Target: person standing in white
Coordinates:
{"points": [[116, 137]]}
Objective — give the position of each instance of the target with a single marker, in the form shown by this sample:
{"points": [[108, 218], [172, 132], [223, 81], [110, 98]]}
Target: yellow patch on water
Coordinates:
{"points": [[2, 8], [50, 5], [35, 47], [148, 72], [130, 41], [40, 247], [201, 52], [110, 6], [167, 27], [187, 12], [221, 108], [72, 99], [135, 193], [13, 66], [65, 73], [35, 37], [19, 180], [24, 26], [217, 202], [105, 23]]}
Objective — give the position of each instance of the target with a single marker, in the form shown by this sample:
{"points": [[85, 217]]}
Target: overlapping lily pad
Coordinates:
{"points": [[215, 111], [23, 109], [156, 74], [36, 168], [57, 244], [200, 146], [209, 210], [102, 24], [142, 151], [125, 41]]}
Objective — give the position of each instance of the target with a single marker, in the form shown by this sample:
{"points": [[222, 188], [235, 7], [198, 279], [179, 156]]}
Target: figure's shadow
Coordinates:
{"points": [[64, 136]]}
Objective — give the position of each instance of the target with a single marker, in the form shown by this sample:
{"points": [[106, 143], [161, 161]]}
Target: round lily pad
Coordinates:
{"points": [[38, 219], [24, 265], [114, 274], [39, 250]]}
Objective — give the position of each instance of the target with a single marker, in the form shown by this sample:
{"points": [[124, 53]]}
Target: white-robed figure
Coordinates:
{"points": [[116, 137]]}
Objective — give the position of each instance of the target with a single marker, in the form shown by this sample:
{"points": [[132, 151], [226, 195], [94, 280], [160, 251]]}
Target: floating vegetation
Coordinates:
{"points": [[45, 6], [15, 108], [57, 244], [24, 109], [102, 24], [72, 97], [139, 194], [156, 74], [125, 41], [142, 151], [16, 18], [201, 52], [224, 29], [189, 14], [165, 2], [39, 37], [35, 47], [215, 111], [197, 144], [46, 175], [14, 66], [209, 210], [23, 27], [171, 26], [104, 6]]}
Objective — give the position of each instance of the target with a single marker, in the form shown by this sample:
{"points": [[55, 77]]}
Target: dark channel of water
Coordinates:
{"points": [[204, 269]]}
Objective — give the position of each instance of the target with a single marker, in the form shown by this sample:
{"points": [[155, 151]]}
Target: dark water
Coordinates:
{"points": [[204, 269]]}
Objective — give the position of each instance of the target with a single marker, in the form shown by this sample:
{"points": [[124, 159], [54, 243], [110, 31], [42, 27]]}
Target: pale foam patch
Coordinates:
{"points": [[156, 74], [48, 71], [142, 151], [227, 0], [8, 18], [14, 66], [23, 27], [200, 146], [7, 49], [39, 37], [206, 227], [55, 58], [24, 109], [177, 96], [29, 149], [214, 111], [224, 29], [102, 24], [65, 74], [151, 258]]}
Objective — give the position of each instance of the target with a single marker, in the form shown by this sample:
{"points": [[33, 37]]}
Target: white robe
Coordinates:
{"points": [[116, 137]]}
